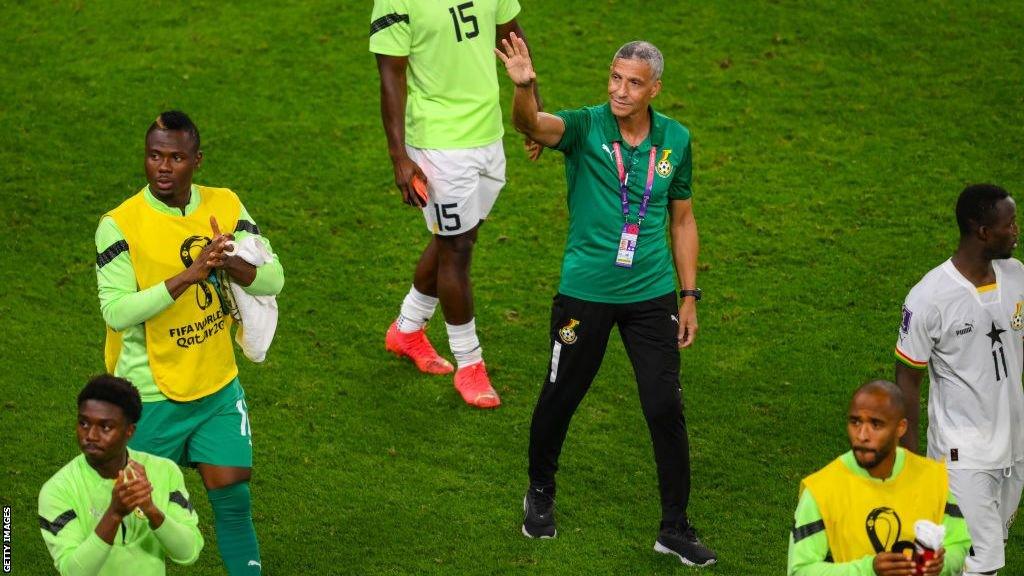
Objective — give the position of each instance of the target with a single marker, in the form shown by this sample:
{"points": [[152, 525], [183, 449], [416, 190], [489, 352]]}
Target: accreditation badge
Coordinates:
{"points": [[627, 245]]}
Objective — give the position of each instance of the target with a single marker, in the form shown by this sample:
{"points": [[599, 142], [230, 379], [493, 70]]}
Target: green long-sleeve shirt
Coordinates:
{"points": [[125, 308], [72, 502], [807, 556]]}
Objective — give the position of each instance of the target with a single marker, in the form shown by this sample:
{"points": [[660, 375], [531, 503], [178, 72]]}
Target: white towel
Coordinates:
{"points": [[256, 315], [929, 534]]}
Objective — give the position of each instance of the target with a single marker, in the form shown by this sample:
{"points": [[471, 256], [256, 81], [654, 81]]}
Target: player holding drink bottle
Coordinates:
{"points": [[857, 515]]}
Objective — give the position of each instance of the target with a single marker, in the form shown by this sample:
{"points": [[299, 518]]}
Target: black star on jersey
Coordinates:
{"points": [[994, 335]]}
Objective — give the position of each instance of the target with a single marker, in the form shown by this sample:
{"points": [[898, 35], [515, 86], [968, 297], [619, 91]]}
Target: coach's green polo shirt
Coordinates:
{"points": [[595, 209]]}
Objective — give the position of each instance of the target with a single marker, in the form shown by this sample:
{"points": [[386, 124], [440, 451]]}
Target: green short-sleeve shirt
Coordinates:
{"points": [[452, 79], [595, 209]]}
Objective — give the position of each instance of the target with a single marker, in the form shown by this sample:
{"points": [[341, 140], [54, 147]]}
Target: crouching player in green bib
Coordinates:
{"points": [[169, 329], [112, 510]]}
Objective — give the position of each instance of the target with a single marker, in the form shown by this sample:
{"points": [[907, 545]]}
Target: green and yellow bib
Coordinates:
{"points": [[189, 344], [864, 516]]}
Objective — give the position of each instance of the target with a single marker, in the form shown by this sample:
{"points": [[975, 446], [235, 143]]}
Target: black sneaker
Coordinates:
{"points": [[685, 545], [539, 518]]}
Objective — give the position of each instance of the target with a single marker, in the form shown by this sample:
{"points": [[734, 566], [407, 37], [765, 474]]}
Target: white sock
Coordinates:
{"points": [[464, 343], [417, 310]]}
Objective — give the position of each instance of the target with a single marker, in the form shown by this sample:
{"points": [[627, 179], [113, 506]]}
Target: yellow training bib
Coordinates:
{"points": [[189, 344], [864, 517]]}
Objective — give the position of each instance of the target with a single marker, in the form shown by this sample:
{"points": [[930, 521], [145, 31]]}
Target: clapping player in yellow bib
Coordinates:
{"points": [[169, 327]]}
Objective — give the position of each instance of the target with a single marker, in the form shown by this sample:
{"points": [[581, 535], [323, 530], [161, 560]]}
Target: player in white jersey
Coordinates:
{"points": [[964, 321]]}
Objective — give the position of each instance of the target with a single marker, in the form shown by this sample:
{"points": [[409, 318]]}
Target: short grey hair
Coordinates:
{"points": [[643, 50]]}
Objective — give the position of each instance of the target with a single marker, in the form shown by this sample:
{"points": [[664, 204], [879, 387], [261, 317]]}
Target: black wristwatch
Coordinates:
{"points": [[696, 292]]}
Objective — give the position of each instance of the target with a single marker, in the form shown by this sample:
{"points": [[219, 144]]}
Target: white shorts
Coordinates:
{"points": [[462, 185], [988, 500]]}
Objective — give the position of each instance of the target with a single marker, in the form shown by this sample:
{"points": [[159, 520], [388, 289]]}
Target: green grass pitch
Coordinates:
{"points": [[830, 141]]}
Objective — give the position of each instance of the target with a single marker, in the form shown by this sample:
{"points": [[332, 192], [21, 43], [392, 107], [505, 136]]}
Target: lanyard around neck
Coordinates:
{"points": [[624, 177]]}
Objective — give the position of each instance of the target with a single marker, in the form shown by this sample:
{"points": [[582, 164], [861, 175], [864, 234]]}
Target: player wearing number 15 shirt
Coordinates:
{"points": [[442, 119], [964, 322]]}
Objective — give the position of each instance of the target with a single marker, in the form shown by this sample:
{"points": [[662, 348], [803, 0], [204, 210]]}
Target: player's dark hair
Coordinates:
{"points": [[976, 206], [176, 120], [896, 397], [116, 391]]}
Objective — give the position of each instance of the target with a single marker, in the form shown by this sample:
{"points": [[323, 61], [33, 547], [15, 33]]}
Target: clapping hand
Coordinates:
{"points": [[211, 256], [131, 490], [220, 243]]}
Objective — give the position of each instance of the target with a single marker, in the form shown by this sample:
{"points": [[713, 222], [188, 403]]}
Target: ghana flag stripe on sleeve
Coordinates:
{"points": [[909, 361]]}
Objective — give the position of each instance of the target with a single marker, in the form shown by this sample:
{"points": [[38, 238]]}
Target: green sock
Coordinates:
{"points": [[236, 536]]}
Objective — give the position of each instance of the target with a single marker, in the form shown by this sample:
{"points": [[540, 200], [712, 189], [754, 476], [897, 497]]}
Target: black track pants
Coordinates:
{"points": [[579, 336]]}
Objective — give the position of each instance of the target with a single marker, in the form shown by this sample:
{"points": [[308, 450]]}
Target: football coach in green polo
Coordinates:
{"points": [[628, 170]]}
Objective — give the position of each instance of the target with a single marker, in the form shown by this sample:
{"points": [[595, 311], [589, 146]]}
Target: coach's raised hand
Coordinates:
{"points": [[516, 57], [538, 127]]}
